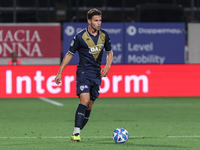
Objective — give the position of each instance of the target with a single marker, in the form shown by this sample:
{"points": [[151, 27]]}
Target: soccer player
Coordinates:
{"points": [[89, 43]]}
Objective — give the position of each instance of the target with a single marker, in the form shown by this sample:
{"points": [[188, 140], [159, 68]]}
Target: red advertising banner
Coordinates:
{"points": [[122, 81], [30, 40]]}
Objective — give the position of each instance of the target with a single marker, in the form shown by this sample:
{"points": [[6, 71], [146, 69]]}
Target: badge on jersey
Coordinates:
{"points": [[72, 43], [82, 87]]}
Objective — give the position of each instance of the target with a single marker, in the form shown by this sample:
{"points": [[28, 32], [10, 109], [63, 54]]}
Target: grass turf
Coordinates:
{"points": [[152, 123]]}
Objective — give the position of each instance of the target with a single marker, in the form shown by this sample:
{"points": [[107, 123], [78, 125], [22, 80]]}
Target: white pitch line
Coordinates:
{"points": [[50, 101], [184, 136], [97, 137]]}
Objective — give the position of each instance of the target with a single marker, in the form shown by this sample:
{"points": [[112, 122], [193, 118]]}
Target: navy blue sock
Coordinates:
{"points": [[86, 118], [80, 114]]}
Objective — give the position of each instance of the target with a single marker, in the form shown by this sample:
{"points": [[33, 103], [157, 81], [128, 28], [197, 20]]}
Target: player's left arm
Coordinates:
{"points": [[109, 57], [106, 69]]}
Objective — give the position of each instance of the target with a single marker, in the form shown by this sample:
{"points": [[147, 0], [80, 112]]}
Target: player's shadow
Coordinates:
{"points": [[138, 145], [144, 145], [152, 145]]}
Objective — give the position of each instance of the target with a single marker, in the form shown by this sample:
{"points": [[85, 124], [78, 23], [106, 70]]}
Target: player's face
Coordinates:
{"points": [[95, 22]]}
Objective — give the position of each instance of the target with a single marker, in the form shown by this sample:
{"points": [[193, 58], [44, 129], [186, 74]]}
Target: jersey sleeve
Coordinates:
{"points": [[107, 45], [74, 46]]}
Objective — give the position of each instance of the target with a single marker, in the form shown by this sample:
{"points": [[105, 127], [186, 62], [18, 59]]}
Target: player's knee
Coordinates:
{"points": [[90, 104], [84, 98], [85, 102]]}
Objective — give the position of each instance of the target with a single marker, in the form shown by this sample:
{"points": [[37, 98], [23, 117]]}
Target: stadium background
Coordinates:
{"points": [[41, 31], [152, 89]]}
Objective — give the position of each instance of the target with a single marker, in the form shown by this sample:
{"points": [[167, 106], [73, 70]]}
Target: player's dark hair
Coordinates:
{"points": [[93, 12]]}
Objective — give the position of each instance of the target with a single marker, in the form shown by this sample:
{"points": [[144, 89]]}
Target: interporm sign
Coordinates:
{"points": [[40, 83], [122, 81]]}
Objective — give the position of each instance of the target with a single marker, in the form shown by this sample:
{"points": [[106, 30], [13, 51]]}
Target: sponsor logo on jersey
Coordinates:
{"points": [[96, 49]]}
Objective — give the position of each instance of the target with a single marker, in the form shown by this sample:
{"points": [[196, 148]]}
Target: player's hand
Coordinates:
{"points": [[58, 78], [105, 70]]}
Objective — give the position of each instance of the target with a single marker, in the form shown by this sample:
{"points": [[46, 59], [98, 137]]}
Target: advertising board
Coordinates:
{"points": [[154, 43], [137, 43], [130, 81], [34, 43]]}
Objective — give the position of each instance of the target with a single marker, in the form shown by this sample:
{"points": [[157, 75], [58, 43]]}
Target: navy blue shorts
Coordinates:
{"points": [[88, 83]]}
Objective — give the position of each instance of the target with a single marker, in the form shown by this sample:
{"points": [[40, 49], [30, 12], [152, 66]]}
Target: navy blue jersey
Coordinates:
{"points": [[90, 49]]}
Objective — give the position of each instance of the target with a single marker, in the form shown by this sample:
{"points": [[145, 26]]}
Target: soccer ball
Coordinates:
{"points": [[120, 135]]}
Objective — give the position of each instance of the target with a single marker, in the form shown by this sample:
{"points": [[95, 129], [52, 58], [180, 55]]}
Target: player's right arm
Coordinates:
{"points": [[74, 46], [64, 63]]}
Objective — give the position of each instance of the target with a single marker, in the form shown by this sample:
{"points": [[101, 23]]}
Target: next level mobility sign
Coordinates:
{"points": [[154, 43]]}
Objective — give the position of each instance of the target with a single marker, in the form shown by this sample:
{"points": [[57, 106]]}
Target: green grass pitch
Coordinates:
{"points": [[161, 123]]}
